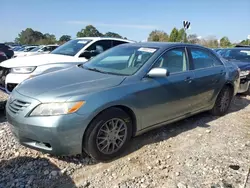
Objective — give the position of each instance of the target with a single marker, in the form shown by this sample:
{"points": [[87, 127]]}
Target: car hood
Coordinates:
{"points": [[66, 83], [37, 60], [243, 65]]}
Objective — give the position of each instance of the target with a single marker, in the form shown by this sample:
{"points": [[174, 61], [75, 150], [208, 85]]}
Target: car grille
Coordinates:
{"points": [[17, 106], [3, 73]]}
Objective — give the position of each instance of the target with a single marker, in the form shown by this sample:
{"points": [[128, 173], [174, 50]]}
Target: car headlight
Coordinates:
{"points": [[23, 70], [54, 109], [244, 73]]}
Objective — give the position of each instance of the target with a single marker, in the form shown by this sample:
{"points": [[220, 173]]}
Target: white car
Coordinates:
{"points": [[23, 50], [42, 49], [16, 70]]}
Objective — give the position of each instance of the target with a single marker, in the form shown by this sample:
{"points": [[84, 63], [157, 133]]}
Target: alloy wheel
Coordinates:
{"points": [[111, 136]]}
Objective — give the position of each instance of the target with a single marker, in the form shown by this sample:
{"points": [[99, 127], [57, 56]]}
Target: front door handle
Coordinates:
{"points": [[188, 79]]}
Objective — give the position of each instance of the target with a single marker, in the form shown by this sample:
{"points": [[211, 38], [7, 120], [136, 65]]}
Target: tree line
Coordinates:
{"points": [[180, 36], [33, 37], [30, 36]]}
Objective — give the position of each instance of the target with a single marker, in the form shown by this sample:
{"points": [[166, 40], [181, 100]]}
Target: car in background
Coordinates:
{"points": [[22, 50], [242, 46], [96, 107], [241, 57], [66, 55], [7, 50], [3, 56], [217, 49], [42, 49]]}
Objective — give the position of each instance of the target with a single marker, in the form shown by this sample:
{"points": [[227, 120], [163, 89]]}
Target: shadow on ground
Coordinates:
{"points": [[32, 172], [171, 130]]}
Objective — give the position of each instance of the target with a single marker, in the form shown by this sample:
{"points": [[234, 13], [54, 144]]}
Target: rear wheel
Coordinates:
{"points": [[223, 101], [108, 135]]}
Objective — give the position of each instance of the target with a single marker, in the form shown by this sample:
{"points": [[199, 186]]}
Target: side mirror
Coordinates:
{"points": [[158, 72], [86, 54]]}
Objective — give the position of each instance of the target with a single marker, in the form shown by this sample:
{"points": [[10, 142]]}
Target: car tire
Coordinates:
{"points": [[223, 102], [108, 134]]}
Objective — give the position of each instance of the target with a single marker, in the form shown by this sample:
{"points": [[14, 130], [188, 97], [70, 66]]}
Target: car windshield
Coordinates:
{"points": [[36, 49], [121, 60], [71, 48], [237, 54]]}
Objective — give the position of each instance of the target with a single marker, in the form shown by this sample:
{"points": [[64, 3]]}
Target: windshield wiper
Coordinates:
{"points": [[94, 69]]}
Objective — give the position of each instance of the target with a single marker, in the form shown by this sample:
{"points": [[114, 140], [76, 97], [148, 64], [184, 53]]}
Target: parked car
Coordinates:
{"points": [[242, 46], [241, 57], [42, 49], [3, 56], [98, 106], [21, 52], [77, 50], [7, 50]]}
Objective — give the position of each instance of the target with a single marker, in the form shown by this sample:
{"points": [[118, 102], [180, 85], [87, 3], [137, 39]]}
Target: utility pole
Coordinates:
{"points": [[186, 25]]}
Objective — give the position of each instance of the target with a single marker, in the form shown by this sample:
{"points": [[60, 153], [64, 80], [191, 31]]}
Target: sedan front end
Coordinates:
{"points": [[244, 81], [44, 127]]}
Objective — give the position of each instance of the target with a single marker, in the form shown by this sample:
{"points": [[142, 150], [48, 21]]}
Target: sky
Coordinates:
{"points": [[133, 19]]}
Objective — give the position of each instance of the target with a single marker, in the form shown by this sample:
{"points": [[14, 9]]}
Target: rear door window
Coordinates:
{"points": [[203, 59]]}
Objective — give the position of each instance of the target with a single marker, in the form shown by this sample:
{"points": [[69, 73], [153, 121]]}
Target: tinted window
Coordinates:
{"points": [[174, 60], [203, 59], [100, 46], [117, 42]]}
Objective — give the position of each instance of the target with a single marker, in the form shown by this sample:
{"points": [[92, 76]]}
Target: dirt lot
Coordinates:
{"points": [[202, 151]]}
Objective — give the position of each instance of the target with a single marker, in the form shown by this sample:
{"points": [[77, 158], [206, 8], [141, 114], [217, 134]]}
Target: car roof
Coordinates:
{"points": [[105, 38], [162, 44]]}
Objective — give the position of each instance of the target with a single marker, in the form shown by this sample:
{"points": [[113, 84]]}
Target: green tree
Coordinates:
{"points": [[158, 36], [245, 42], [112, 34], [64, 38], [181, 33], [225, 42], [29, 36], [89, 31], [174, 35]]}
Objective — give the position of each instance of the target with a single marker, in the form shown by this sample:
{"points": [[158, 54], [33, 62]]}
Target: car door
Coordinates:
{"points": [[209, 74], [168, 97]]}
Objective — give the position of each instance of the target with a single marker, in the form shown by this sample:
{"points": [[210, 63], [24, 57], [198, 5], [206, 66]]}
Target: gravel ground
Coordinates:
{"points": [[201, 151]]}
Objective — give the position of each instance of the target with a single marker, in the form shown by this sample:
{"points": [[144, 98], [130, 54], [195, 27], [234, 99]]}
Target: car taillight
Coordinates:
{"points": [[2, 54]]}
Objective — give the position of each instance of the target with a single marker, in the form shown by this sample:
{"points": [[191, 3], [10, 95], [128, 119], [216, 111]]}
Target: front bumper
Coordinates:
{"points": [[244, 84], [57, 135], [12, 80]]}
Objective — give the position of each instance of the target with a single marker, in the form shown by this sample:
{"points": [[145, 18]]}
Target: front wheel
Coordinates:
{"points": [[108, 135], [223, 102]]}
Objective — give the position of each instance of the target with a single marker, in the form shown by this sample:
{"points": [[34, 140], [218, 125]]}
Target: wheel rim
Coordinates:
{"points": [[225, 100], [111, 136]]}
